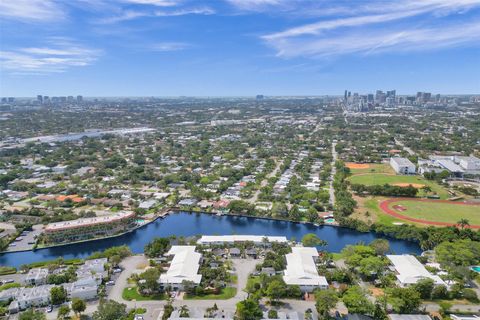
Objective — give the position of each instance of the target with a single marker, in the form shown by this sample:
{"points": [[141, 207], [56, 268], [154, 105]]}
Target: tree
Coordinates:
{"points": [[150, 280], [63, 312], [356, 301], [184, 313], [405, 300], [440, 292], [248, 309], [31, 314], [58, 295], [78, 305], [463, 223], [464, 252], [312, 240], [324, 301], [379, 312], [424, 287], [381, 246], [110, 310], [272, 314], [157, 247], [276, 289]]}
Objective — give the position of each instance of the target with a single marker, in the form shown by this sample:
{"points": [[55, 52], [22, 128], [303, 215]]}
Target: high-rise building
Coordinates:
{"points": [[370, 98], [70, 98], [79, 99], [40, 98]]}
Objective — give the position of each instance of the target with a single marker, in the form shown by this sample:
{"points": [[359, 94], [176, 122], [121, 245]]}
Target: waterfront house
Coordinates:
{"points": [[36, 277], [302, 271], [183, 267], [409, 270]]}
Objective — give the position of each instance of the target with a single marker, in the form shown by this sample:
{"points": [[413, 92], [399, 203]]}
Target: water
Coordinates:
{"points": [[477, 269], [186, 224]]}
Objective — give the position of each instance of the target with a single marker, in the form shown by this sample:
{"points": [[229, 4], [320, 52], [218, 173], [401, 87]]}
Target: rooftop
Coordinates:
{"points": [[301, 268], [184, 266], [88, 221], [240, 238], [410, 270]]}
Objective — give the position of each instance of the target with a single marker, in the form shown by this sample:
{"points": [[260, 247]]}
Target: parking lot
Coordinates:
{"points": [[26, 240]]}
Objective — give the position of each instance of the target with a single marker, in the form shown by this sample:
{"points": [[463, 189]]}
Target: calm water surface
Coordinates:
{"points": [[191, 224]]}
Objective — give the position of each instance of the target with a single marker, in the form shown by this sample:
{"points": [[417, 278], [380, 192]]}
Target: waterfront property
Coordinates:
{"points": [[409, 270], [88, 228], [187, 225], [231, 239], [36, 277], [183, 267], [302, 270]]}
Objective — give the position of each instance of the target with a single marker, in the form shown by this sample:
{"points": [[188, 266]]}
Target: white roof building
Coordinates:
{"points": [[302, 271], [240, 238], [410, 270], [184, 266]]}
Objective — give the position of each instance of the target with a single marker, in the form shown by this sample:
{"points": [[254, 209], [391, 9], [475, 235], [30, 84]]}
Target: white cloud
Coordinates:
{"points": [[382, 27], [60, 56], [169, 46], [31, 10], [187, 11], [158, 3], [412, 39], [255, 5]]}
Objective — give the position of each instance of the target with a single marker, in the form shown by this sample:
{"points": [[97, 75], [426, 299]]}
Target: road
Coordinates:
{"points": [[332, 175], [264, 182], [407, 149]]}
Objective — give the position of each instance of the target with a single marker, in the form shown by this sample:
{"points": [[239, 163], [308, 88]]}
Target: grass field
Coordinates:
{"points": [[226, 293], [374, 168], [131, 294], [439, 211], [381, 179]]}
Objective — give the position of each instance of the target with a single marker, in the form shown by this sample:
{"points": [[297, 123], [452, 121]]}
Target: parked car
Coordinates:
{"points": [[110, 283], [49, 309]]}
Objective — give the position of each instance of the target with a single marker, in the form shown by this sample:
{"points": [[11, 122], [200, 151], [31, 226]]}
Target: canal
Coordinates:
{"points": [[191, 224]]}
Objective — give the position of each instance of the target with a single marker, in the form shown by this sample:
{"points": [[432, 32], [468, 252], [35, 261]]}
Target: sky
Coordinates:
{"points": [[238, 47]]}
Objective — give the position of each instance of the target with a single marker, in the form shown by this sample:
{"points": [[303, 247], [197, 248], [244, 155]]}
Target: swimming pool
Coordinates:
{"points": [[330, 220], [476, 268]]}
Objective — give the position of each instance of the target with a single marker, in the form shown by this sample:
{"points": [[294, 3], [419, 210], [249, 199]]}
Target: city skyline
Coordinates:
{"points": [[238, 48]]}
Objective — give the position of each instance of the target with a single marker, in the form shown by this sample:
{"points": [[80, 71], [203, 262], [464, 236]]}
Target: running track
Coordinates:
{"points": [[384, 205]]}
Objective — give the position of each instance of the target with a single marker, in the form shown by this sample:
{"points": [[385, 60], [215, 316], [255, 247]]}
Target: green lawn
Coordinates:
{"points": [[131, 293], [226, 293], [381, 179], [442, 212]]}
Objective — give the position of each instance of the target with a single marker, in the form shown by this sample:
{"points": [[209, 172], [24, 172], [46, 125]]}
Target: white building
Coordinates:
{"points": [[302, 270], [231, 239], [402, 165], [36, 277], [409, 317], [409, 270], [85, 289], [183, 267]]}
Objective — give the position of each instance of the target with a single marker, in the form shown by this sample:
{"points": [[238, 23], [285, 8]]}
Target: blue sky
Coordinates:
{"points": [[238, 47]]}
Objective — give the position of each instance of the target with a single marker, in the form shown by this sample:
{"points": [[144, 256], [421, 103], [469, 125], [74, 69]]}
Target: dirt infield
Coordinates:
{"points": [[415, 185], [384, 206], [353, 165]]}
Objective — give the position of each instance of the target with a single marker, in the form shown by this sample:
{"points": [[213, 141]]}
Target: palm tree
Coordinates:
{"points": [[463, 223]]}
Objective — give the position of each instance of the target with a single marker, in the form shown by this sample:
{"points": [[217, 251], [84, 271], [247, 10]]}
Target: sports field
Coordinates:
{"points": [[356, 168], [432, 212], [400, 180]]}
